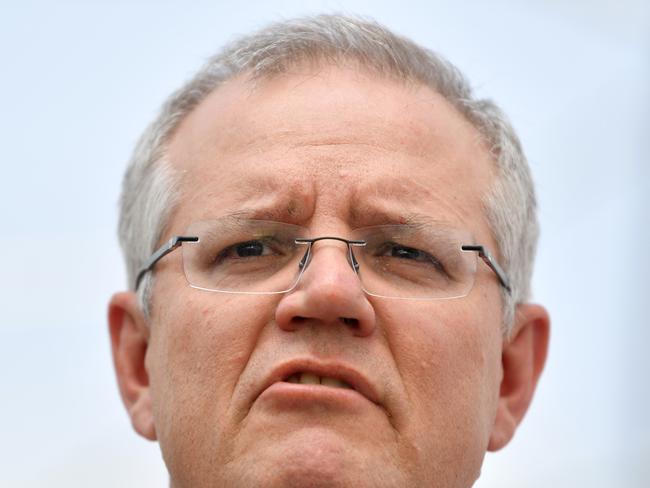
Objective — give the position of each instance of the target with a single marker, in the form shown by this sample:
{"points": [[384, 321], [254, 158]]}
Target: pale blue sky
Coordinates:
{"points": [[81, 79]]}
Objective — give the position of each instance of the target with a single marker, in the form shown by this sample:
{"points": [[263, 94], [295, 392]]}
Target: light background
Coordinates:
{"points": [[79, 81]]}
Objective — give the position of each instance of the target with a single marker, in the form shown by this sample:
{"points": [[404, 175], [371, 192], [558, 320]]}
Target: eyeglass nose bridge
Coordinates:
{"points": [[306, 259]]}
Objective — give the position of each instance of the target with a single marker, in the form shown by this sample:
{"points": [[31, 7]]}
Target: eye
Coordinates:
{"points": [[397, 251], [246, 250], [409, 254], [394, 250]]}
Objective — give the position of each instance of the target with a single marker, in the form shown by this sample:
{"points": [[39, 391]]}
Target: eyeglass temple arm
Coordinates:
{"points": [[162, 251], [492, 263]]}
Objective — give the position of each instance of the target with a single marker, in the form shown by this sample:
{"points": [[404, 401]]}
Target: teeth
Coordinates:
{"points": [[312, 379], [334, 382], [309, 379]]}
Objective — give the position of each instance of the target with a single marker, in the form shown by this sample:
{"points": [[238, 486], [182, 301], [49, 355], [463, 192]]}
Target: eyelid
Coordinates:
{"points": [[421, 251], [389, 241]]}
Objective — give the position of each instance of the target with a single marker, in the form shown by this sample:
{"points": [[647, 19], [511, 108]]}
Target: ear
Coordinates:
{"points": [[129, 340], [523, 357]]}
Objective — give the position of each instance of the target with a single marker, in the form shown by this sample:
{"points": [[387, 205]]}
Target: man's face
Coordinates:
{"points": [[331, 150]]}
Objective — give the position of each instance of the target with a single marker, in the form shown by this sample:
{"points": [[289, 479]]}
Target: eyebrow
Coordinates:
{"points": [[361, 215], [273, 213], [380, 202], [370, 215], [389, 205]]}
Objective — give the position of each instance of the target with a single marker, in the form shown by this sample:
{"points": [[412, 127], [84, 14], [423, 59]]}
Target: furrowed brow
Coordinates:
{"points": [[368, 215]]}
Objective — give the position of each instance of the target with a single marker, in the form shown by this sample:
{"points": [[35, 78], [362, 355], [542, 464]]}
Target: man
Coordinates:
{"points": [[329, 245]]}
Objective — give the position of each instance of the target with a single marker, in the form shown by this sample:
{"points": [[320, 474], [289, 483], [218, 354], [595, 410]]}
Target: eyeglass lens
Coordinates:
{"points": [[397, 261]]}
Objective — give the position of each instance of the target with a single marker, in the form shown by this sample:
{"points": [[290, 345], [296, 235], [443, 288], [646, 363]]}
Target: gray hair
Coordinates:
{"points": [[150, 187]]}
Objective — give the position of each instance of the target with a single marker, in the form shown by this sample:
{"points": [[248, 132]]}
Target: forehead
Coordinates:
{"points": [[334, 142]]}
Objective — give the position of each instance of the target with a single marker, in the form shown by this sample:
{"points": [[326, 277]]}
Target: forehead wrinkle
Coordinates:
{"points": [[390, 201], [264, 197]]}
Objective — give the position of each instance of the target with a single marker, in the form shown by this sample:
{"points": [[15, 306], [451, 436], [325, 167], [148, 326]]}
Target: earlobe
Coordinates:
{"points": [[523, 357], [129, 341]]}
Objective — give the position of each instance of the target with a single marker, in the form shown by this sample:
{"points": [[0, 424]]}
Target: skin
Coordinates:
{"points": [[331, 149]]}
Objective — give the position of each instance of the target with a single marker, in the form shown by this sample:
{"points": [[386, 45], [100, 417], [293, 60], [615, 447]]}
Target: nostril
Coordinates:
{"points": [[350, 321]]}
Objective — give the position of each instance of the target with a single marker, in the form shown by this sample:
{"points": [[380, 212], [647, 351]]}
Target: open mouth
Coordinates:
{"points": [[307, 371], [303, 378]]}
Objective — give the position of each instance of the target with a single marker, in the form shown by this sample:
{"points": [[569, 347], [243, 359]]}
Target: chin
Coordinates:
{"points": [[311, 458]]}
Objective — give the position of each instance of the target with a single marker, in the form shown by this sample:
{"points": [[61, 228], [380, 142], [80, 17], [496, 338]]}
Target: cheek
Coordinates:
{"points": [[444, 343], [200, 343], [448, 359]]}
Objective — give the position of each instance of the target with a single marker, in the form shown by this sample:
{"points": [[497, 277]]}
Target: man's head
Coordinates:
{"points": [[324, 126]]}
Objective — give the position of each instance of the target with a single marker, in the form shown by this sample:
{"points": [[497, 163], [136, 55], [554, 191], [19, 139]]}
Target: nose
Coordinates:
{"points": [[329, 294]]}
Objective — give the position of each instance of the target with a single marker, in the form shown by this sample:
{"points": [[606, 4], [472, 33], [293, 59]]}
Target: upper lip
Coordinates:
{"points": [[333, 369]]}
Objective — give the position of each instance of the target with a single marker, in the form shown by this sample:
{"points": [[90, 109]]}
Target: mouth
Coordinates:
{"points": [[309, 373], [305, 378]]}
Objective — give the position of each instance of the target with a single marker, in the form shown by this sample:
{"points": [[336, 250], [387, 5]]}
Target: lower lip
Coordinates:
{"points": [[284, 396]]}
